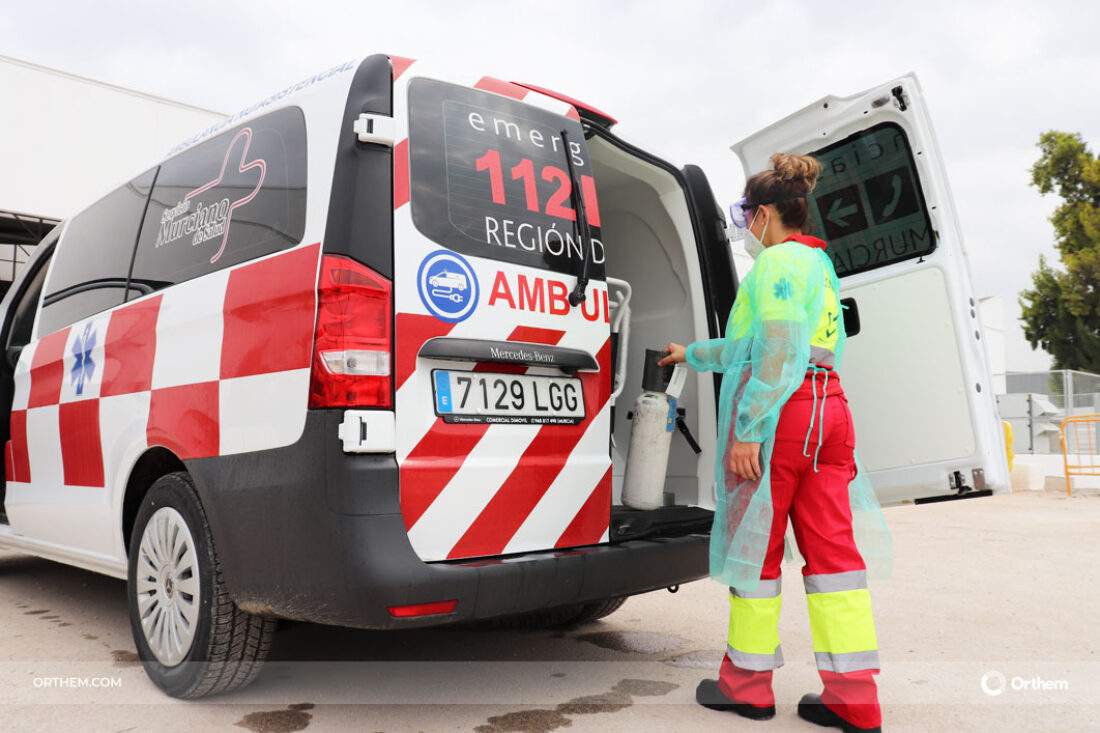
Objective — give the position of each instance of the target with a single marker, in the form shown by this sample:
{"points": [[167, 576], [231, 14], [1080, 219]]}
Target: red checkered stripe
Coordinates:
{"points": [[462, 495], [214, 366]]}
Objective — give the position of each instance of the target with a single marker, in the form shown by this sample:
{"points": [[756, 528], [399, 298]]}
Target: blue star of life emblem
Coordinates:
{"points": [[782, 289], [83, 367]]}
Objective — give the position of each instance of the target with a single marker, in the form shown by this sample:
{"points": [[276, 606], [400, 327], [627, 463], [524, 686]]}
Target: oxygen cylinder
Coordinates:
{"points": [[654, 420]]}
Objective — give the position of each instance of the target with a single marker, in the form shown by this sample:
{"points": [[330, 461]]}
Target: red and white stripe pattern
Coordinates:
{"points": [[484, 490], [214, 366]]}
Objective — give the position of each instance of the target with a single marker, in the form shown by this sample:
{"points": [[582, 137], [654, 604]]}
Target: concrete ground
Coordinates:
{"points": [[990, 622]]}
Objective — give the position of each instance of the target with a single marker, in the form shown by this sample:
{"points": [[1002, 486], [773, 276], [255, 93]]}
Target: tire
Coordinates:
{"points": [[599, 609], [574, 614], [227, 646]]}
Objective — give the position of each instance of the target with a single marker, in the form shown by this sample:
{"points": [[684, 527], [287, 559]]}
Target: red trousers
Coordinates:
{"points": [[815, 498]]}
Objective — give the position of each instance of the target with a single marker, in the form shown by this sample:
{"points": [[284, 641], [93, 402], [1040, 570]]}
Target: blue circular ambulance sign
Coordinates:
{"points": [[448, 286]]}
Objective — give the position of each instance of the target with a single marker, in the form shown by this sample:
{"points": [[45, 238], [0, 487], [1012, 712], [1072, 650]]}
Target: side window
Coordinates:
{"points": [[233, 198], [868, 202], [92, 261]]}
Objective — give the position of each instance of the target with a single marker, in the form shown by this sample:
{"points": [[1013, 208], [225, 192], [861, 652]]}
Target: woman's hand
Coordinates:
{"points": [[676, 355], [744, 460]]}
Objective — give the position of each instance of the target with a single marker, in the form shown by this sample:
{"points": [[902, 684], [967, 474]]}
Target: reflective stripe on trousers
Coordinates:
{"points": [[753, 639], [815, 500], [841, 621]]}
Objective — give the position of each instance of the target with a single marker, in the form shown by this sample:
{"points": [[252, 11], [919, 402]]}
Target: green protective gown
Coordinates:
{"points": [[786, 319]]}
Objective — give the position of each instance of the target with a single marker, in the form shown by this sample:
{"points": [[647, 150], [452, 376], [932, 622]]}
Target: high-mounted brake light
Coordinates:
{"points": [[353, 342]]}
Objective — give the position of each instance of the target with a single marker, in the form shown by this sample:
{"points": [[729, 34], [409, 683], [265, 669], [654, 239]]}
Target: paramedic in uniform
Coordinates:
{"points": [[787, 450]]}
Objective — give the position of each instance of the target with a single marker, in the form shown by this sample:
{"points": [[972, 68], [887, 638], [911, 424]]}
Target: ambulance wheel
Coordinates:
{"points": [[191, 638], [599, 609]]}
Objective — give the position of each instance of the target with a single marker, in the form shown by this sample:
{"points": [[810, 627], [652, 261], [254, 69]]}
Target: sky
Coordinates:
{"points": [[686, 79]]}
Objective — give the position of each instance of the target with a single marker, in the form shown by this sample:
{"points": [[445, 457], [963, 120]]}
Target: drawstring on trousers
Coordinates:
{"points": [[820, 419]]}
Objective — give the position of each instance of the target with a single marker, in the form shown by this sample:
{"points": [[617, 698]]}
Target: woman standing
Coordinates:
{"points": [[789, 452]]}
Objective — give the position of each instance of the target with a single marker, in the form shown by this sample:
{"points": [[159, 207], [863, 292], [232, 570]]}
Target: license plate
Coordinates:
{"points": [[508, 399]]}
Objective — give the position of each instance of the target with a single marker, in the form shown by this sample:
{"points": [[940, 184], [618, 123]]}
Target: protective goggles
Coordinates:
{"points": [[740, 210]]}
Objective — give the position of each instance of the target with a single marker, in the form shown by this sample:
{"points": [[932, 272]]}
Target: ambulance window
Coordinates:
{"points": [[868, 203], [233, 198], [89, 269], [489, 178]]}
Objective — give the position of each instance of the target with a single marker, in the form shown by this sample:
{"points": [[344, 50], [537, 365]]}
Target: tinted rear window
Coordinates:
{"points": [[868, 202], [89, 270], [489, 177], [233, 198]]}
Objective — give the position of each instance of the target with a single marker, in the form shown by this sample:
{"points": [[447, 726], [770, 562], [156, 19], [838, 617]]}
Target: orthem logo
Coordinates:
{"points": [[448, 286], [83, 367], [210, 220], [993, 683]]}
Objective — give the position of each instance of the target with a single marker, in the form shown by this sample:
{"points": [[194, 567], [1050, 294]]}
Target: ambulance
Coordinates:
{"points": [[365, 353]]}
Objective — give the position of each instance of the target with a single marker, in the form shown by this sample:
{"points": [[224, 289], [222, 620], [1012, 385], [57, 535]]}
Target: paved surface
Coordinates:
{"points": [[1006, 588]]}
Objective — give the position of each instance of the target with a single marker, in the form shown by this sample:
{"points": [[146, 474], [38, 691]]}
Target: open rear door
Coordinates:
{"points": [[916, 371]]}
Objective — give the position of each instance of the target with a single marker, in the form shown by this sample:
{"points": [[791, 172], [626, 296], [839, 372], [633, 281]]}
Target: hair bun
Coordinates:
{"points": [[796, 168]]}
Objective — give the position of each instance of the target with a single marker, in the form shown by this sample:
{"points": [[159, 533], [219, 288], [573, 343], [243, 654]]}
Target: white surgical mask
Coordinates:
{"points": [[753, 245]]}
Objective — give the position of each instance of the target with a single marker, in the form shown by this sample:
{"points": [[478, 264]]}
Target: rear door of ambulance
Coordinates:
{"points": [[916, 373], [501, 384]]}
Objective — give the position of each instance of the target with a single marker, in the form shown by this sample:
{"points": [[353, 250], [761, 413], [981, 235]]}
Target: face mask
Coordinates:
{"points": [[753, 245]]}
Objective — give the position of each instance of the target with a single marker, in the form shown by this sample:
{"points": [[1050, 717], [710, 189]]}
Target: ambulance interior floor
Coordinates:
{"points": [[989, 623]]}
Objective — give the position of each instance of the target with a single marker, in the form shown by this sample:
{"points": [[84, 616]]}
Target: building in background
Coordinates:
{"points": [[65, 140]]}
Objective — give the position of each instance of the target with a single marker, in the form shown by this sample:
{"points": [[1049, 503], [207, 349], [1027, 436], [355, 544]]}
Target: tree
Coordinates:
{"points": [[1061, 311]]}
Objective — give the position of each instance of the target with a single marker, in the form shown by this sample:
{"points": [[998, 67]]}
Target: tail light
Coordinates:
{"points": [[353, 341]]}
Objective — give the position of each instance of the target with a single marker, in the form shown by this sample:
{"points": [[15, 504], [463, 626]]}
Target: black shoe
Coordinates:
{"points": [[812, 709], [709, 695]]}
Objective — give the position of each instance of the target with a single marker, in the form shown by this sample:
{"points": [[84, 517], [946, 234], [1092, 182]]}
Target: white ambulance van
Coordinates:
{"points": [[363, 354]]}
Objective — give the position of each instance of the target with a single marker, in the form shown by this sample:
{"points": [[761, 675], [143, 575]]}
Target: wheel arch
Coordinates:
{"points": [[155, 462]]}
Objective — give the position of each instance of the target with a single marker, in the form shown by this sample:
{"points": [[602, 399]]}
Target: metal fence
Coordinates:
{"points": [[1037, 402], [1062, 387]]}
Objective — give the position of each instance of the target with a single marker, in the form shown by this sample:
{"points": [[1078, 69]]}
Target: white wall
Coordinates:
{"points": [[66, 140]]}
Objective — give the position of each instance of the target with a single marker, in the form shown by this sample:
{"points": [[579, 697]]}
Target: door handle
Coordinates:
{"points": [[851, 316]]}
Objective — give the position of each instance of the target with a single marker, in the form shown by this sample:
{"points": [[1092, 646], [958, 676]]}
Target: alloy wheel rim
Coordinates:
{"points": [[167, 586]]}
